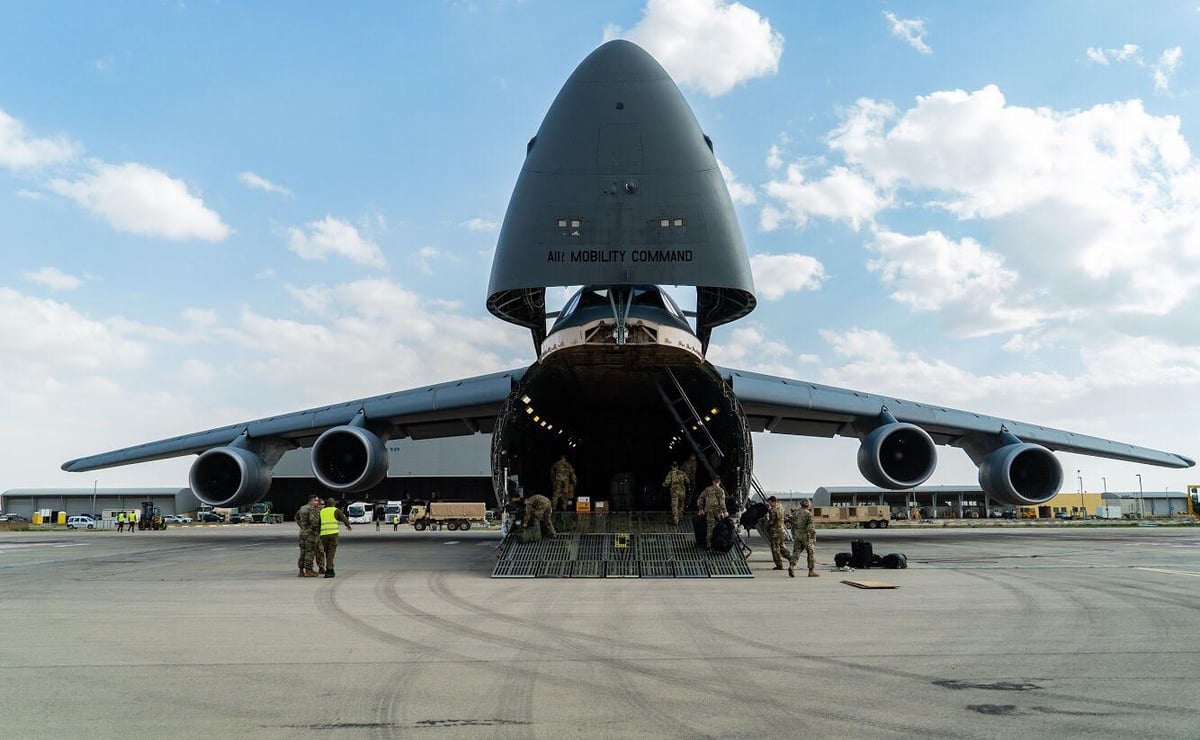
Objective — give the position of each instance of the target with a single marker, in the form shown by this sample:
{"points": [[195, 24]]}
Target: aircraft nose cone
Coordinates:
{"points": [[619, 61]]}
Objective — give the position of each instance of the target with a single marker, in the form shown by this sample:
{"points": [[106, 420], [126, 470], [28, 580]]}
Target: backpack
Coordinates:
{"points": [[723, 535], [842, 559], [862, 555], [895, 560], [752, 514]]}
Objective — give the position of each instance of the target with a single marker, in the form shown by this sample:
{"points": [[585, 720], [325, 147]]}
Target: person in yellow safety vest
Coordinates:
{"points": [[120, 521], [330, 516], [132, 518]]}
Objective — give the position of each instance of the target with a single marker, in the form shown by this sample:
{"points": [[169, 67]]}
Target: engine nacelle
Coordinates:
{"points": [[1021, 474], [229, 477], [349, 459], [897, 455]]}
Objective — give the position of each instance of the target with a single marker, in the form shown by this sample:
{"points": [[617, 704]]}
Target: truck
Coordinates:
{"points": [[360, 512], [870, 517], [393, 512], [261, 513], [453, 515]]}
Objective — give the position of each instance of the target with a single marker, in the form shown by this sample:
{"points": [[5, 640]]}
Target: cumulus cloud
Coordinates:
{"points": [[708, 45], [909, 30], [480, 224], [842, 194], [748, 348], [774, 158], [1128, 52], [53, 278], [741, 193], [138, 199], [1161, 71], [776, 275], [319, 239], [251, 180], [19, 150]]}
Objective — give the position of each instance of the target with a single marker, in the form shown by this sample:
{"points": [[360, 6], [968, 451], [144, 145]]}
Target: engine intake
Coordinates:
{"points": [[349, 459], [897, 455], [1021, 474], [230, 477]]}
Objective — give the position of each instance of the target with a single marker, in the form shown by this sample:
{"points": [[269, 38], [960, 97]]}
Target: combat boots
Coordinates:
{"points": [[308, 574], [791, 572], [777, 567], [813, 574], [328, 573]]}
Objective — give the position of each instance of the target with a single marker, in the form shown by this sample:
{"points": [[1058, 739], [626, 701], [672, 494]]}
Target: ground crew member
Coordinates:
{"points": [[689, 469], [120, 521], [712, 508], [310, 542], [677, 481], [132, 520], [380, 512], [330, 516], [804, 537], [775, 525], [563, 477], [538, 514]]}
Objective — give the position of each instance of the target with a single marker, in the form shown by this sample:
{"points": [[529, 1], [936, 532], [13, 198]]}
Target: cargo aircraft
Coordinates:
{"points": [[620, 193]]}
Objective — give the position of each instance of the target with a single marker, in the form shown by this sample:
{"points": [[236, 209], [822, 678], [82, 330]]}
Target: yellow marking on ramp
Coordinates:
{"points": [[1171, 572]]}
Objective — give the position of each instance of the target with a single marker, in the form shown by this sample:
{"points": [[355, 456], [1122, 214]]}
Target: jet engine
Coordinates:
{"points": [[1021, 474], [349, 459], [896, 455], [229, 476]]}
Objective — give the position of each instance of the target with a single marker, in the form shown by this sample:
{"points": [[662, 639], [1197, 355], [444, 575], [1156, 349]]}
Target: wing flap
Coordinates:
{"points": [[456, 408], [787, 406]]}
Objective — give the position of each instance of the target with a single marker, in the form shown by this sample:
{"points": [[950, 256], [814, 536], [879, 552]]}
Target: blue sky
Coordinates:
{"points": [[211, 212]]}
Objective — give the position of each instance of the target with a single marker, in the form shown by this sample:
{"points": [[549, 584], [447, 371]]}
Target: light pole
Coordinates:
{"points": [[1082, 510], [94, 483], [1141, 499]]}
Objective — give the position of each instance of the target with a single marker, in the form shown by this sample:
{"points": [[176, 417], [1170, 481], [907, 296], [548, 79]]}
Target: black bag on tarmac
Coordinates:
{"points": [[861, 553], [842, 559], [895, 560], [723, 535], [752, 514], [700, 525]]}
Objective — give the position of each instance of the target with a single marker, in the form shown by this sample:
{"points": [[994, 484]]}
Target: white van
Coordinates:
{"points": [[81, 522]]}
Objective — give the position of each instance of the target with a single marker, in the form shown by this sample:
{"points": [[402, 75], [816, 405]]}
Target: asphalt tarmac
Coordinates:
{"points": [[205, 631]]}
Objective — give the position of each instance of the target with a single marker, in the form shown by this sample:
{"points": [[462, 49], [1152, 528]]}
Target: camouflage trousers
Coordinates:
{"points": [[677, 496], [561, 493], [808, 545], [779, 550], [709, 524], [329, 545], [310, 550]]}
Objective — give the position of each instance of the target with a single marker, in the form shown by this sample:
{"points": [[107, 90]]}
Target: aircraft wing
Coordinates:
{"points": [[457, 408], [786, 406]]}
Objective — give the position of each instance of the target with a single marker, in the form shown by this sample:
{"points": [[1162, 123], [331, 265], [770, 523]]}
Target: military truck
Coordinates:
{"points": [[870, 517], [453, 515], [261, 513]]}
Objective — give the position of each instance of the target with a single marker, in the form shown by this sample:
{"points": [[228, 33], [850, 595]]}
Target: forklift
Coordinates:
{"points": [[151, 517]]}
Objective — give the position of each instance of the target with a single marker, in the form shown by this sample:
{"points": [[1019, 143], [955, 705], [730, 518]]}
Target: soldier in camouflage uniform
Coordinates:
{"points": [[310, 543], [563, 477], [689, 469], [775, 525], [677, 481], [712, 507], [539, 515], [804, 537]]}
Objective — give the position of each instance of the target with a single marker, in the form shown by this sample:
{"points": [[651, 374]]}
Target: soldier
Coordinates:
{"points": [[563, 477], [677, 481], [329, 516], [309, 542], [689, 469], [804, 537], [775, 524], [712, 508], [538, 515]]}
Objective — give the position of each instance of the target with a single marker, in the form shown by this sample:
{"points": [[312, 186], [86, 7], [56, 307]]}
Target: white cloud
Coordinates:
{"points": [[42, 337], [261, 183], [708, 45], [776, 275], [1167, 63], [842, 194], [967, 283], [774, 158], [30, 194], [1127, 53], [138, 199], [480, 224], [741, 193], [909, 30], [319, 239], [19, 151], [53, 278], [747, 348]]}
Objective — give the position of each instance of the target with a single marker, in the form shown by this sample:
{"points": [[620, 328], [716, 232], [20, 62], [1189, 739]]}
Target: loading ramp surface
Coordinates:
{"points": [[619, 545]]}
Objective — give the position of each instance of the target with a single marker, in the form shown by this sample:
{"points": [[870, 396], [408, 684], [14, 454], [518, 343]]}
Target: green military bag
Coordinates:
{"points": [[526, 535]]}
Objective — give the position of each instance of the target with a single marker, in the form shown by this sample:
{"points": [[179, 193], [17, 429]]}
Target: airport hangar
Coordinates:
{"points": [[447, 469], [961, 502]]}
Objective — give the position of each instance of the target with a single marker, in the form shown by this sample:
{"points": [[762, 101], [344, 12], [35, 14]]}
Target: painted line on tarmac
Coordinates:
{"points": [[452, 542], [1170, 572]]}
